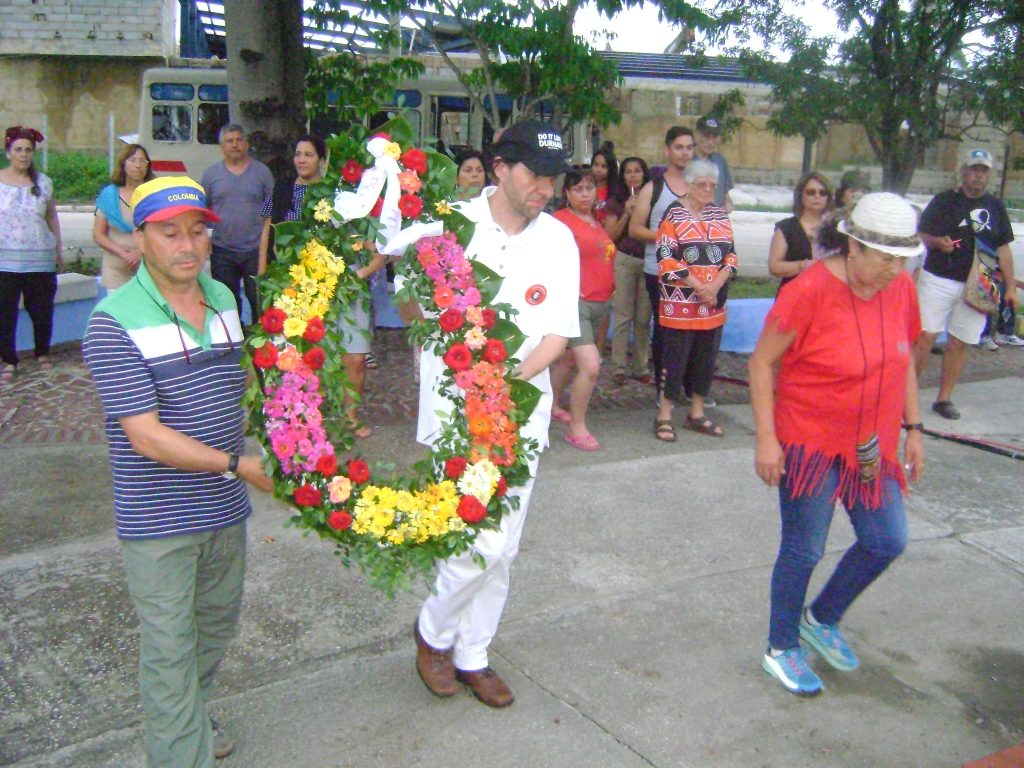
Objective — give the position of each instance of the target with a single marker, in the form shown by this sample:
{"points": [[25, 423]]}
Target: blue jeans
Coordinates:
{"points": [[881, 537]]}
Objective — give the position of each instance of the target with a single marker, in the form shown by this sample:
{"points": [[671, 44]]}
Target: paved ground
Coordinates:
{"points": [[633, 633]]}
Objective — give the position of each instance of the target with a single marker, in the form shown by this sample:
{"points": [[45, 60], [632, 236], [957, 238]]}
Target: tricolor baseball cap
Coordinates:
{"points": [[167, 197]]}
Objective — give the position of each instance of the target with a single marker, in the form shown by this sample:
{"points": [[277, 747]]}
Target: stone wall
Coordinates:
{"points": [[76, 96], [122, 28]]}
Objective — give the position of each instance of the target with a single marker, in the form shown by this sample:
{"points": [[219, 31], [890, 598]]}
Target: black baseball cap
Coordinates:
{"points": [[536, 145], [709, 125]]}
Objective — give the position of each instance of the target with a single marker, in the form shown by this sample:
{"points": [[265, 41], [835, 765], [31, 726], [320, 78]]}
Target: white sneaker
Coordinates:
{"points": [[985, 342], [1013, 340]]}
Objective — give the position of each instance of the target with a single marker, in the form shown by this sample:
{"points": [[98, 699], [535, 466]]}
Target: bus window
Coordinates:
{"points": [[171, 92], [172, 122], [209, 92], [451, 122], [212, 117]]}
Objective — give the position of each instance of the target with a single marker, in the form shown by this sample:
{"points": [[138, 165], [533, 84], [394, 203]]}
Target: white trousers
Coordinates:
{"points": [[464, 612]]}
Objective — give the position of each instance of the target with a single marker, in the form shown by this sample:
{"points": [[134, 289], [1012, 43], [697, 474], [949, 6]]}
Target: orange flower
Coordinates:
{"points": [[479, 425], [409, 181], [289, 359]]}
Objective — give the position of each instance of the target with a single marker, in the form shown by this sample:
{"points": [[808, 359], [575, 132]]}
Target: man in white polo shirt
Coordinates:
{"points": [[538, 260]]}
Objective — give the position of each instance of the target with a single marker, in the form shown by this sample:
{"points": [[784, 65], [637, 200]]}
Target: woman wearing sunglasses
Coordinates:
{"points": [[792, 249]]}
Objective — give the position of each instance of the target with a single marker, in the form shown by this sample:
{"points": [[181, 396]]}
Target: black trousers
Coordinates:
{"points": [[237, 269], [657, 332], [38, 289], [689, 360]]}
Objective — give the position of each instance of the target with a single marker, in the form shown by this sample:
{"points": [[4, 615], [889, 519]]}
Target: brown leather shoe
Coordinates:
{"points": [[435, 667], [487, 686]]}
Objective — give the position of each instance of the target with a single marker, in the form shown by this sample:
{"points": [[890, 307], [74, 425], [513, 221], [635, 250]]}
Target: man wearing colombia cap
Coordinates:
{"points": [[164, 352]]}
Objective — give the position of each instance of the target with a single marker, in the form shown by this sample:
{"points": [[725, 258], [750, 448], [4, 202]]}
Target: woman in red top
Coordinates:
{"points": [[841, 337], [696, 258], [597, 284]]}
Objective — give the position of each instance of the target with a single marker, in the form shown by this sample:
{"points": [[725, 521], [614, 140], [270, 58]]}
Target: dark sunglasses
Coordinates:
{"points": [[817, 193]]}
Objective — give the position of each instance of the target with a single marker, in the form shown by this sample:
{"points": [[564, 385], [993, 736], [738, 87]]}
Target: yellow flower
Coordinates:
{"points": [[357, 246], [442, 208], [294, 326], [323, 210], [393, 150]]}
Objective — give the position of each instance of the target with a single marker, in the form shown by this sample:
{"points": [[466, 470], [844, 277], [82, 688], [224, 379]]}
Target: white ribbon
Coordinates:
{"points": [[392, 240]]}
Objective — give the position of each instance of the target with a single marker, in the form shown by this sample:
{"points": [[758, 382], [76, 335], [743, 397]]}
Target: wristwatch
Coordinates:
{"points": [[916, 425], [232, 472]]}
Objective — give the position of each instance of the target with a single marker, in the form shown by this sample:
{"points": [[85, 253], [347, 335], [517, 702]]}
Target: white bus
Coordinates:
{"points": [[183, 108]]}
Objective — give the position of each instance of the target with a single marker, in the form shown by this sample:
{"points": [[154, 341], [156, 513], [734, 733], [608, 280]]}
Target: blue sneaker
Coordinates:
{"points": [[828, 641], [791, 669]]}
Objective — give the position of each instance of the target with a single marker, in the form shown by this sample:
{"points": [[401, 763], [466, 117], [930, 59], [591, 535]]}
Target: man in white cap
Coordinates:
{"points": [[538, 260], [950, 225]]}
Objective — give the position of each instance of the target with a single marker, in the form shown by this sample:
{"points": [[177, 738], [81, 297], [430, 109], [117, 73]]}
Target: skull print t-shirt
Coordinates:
{"points": [[963, 219]]}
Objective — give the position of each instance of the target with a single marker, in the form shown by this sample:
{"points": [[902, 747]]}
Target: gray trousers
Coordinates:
{"points": [[187, 592]]}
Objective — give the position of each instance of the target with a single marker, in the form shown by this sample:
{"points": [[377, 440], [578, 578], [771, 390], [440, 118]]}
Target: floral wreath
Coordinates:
{"points": [[381, 190]]}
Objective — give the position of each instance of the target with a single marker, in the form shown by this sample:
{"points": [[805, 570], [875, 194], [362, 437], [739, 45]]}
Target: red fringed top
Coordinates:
{"points": [[818, 386]]}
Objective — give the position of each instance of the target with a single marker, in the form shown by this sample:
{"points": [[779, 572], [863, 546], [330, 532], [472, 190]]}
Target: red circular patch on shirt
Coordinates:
{"points": [[535, 294]]}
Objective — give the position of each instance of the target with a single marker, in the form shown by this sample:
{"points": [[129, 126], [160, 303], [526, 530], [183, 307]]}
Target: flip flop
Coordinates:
{"points": [[664, 431], [562, 417], [585, 442], [619, 378], [643, 378], [703, 425], [371, 362], [8, 373], [45, 364]]}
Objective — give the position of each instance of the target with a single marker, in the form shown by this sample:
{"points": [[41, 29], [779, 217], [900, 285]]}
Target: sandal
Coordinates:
{"points": [[664, 431], [644, 378], [585, 442], [371, 362], [946, 409], [8, 373], [562, 417], [704, 425], [45, 364], [619, 378]]}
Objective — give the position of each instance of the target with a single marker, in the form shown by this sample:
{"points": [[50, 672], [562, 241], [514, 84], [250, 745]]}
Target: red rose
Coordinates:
{"points": [[455, 466], [410, 205], [306, 496], [265, 356], [502, 487], [494, 351], [471, 510], [351, 171], [314, 330], [358, 471], [488, 317], [377, 207], [314, 358], [451, 320], [458, 357], [327, 465], [273, 320], [339, 520], [381, 135], [415, 160]]}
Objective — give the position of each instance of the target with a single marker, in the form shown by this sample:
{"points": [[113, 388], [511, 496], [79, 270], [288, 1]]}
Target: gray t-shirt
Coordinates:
{"points": [[724, 178], [658, 208], [237, 199]]}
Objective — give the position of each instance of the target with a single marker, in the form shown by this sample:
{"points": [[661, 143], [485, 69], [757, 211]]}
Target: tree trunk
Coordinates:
{"points": [[808, 156], [266, 72]]}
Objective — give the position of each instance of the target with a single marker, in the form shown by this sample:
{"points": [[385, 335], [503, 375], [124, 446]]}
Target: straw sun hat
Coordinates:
{"points": [[885, 222]]}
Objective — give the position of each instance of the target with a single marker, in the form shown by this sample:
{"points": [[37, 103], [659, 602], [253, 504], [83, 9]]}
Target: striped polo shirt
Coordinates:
{"points": [[135, 347]]}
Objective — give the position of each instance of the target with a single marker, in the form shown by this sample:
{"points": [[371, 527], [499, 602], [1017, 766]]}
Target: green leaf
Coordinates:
{"points": [[526, 397]]}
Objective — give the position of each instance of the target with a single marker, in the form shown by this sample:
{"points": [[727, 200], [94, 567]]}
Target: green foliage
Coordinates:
{"points": [[82, 265], [753, 288], [77, 176], [527, 51], [349, 89], [900, 70]]}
